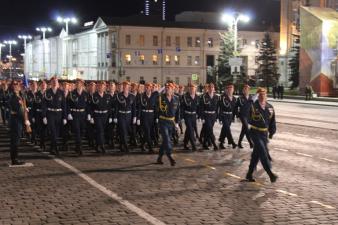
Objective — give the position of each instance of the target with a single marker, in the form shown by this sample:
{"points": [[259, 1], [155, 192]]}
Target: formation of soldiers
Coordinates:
{"points": [[129, 115]]}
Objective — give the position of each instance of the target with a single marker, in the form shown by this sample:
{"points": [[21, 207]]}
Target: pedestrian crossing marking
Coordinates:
{"points": [[190, 160], [210, 167], [287, 193], [280, 149], [329, 160], [232, 175], [302, 154], [321, 204]]}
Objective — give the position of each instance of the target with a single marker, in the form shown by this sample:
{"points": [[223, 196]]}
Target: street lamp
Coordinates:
{"points": [[67, 20], [10, 43], [1, 45], [43, 30], [232, 20], [25, 38]]}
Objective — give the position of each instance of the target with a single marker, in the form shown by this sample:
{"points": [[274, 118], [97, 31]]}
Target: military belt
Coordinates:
{"points": [[54, 110], [77, 110], [148, 111], [259, 128], [167, 118], [227, 113], [39, 110], [13, 113], [100, 112], [125, 112], [209, 112], [190, 113]]}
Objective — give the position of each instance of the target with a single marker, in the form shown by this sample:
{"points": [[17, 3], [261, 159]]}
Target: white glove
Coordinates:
{"points": [[220, 122], [27, 123], [92, 121], [156, 120], [203, 121], [44, 120], [70, 117], [88, 117], [176, 126], [134, 120], [33, 120], [27, 110], [182, 120], [138, 122], [199, 120], [64, 121], [115, 120], [110, 120]]}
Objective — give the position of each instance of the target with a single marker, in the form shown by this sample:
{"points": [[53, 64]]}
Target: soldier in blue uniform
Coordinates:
{"points": [[125, 115], [41, 128], [4, 97], [18, 119], [263, 125], [189, 111], [146, 114], [209, 114], [111, 127], [30, 99], [227, 112], [243, 105], [77, 110], [91, 89], [100, 114], [54, 112], [169, 116]]}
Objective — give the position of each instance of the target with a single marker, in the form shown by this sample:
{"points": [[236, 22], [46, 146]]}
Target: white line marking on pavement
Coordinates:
{"points": [[329, 160], [302, 135], [302, 154], [232, 175], [190, 160], [281, 149], [321, 204], [111, 194], [287, 193], [210, 167]]}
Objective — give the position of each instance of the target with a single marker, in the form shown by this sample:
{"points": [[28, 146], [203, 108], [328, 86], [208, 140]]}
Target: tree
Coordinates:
{"points": [[294, 63], [267, 71]]}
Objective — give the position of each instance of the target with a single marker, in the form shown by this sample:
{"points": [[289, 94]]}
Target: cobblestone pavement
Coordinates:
{"points": [[204, 187]]}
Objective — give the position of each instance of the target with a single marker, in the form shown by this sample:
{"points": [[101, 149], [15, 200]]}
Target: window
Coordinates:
{"points": [[155, 60], [197, 60], [167, 59], [197, 42], [128, 39], [155, 40], [210, 42], [155, 80], [177, 80], [178, 41], [177, 60], [113, 40], [168, 41], [244, 42], [141, 40], [167, 79], [189, 41], [189, 60], [128, 59], [127, 78], [141, 79], [142, 59], [257, 43], [113, 59], [74, 46]]}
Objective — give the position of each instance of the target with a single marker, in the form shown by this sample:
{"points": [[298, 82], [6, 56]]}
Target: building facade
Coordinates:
{"points": [[119, 50]]}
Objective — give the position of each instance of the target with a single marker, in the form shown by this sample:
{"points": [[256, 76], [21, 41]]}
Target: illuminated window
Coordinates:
{"points": [[155, 40], [197, 60], [142, 59], [167, 59], [128, 39], [178, 41], [177, 80], [198, 42], [189, 60], [128, 59], [155, 80], [154, 59], [210, 42], [189, 41], [168, 41], [177, 59], [141, 40]]}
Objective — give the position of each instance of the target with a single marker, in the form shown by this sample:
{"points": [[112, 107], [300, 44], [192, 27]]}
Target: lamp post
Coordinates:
{"points": [[67, 20], [1, 45], [43, 30], [10, 43], [25, 38]]}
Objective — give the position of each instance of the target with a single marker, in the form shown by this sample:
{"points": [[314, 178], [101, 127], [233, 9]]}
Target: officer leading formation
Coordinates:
{"points": [[132, 116]]}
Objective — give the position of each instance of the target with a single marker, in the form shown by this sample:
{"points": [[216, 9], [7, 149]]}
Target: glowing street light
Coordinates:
{"points": [[1, 45], [232, 20], [43, 30], [25, 38], [10, 43], [67, 20]]}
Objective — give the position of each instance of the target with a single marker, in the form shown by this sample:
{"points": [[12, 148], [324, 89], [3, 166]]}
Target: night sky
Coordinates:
{"points": [[20, 17]]}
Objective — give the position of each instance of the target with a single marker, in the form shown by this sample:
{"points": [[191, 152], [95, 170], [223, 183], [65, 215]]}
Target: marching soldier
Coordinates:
{"points": [[101, 113], [41, 128], [243, 105], [209, 109], [30, 100], [169, 116], [65, 130], [133, 130], [90, 126], [54, 112], [227, 115], [147, 112], [263, 125], [189, 111], [77, 110], [4, 97], [125, 115], [111, 127], [19, 117]]}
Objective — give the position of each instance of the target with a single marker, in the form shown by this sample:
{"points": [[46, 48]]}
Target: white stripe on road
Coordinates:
{"points": [[287, 193], [302, 154], [329, 160], [281, 149], [321, 204], [111, 194]]}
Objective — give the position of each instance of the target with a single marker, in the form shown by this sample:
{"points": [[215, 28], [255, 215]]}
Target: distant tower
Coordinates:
{"points": [[155, 7]]}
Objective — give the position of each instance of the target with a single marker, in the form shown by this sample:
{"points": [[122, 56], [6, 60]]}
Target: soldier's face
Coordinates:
{"points": [[16, 87], [79, 85], [55, 83], [262, 97], [112, 88], [230, 90], [43, 86], [169, 90], [192, 90], [246, 91], [34, 86], [126, 88], [211, 89], [148, 88]]}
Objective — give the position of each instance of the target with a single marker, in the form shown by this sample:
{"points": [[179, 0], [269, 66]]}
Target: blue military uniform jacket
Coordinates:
{"points": [[209, 106], [262, 119], [126, 104], [77, 103], [227, 107], [243, 106], [100, 105], [189, 106], [54, 102], [169, 110], [147, 104]]}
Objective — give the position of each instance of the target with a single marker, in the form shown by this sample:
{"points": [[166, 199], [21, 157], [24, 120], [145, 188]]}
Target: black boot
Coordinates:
{"points": [[159, 160], [57, 154], [249, 177], [97, 149], [103, 149], [215, 146], [240, 145], [143, 149], [186, 147], [221, 145], [273, 177], [234, 145], [172, 161]]}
